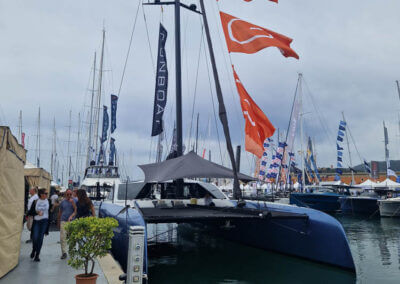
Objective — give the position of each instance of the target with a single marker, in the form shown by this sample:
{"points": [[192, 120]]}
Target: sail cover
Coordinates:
{"points": [[187, 166]]}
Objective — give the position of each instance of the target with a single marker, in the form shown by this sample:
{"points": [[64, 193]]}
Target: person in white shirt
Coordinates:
{"points": [[40, 225], [34, 196]]}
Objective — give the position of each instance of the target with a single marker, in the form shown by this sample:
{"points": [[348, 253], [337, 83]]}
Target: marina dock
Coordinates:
{"points": [[50, 269]]}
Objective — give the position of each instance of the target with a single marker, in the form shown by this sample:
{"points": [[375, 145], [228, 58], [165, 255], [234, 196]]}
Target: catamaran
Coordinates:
{"points": [[170, 195]]}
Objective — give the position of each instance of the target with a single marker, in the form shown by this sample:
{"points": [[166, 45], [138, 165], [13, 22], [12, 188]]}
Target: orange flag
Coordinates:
{"points": [[245, 37], [258, 127]]}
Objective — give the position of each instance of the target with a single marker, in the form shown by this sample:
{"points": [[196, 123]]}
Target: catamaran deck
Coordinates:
{"points": [[195, 213]]}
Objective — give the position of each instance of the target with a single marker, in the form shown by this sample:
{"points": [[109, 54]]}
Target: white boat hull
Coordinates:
{"points": [[390, 207]]}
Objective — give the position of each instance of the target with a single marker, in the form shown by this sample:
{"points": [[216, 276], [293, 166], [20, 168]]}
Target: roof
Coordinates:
{"points": [[187, 166]]}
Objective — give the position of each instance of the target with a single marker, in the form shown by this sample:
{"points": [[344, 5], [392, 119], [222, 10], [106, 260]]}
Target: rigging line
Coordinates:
{"points": [[213, 104], [195, 85], [354, 143], [129, 48], [148, 40], [321, 118], [230, 75], [109, 61], [231, 84]]}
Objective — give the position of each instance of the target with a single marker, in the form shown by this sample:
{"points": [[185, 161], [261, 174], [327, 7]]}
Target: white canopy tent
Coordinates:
{"points": [[387, 183], [368, 184]]}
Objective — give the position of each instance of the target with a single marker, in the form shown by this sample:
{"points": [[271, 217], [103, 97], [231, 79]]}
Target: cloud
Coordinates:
{"points": [[348, 55]]}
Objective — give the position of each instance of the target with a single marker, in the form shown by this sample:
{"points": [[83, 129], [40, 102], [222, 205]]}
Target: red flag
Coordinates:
{"points": [[23, 139], [245, 37], [258, 127]]}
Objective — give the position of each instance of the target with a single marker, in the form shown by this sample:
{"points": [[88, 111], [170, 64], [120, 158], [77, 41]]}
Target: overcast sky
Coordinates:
{"points": [[349, 56]]}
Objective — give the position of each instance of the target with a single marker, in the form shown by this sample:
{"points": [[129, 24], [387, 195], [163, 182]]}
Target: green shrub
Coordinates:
{"points": [[87, 239]]}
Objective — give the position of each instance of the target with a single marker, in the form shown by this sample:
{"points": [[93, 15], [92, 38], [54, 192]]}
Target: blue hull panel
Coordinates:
{"points": [[120, 242], [322, 202], [359, 205], [319, 237]]}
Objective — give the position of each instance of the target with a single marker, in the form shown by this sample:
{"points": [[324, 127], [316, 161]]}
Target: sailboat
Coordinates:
{"points": [[287, 229], [100, 177], [389, 207]]}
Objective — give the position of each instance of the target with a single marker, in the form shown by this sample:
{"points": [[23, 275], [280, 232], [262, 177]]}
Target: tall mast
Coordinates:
{"points": [[386, 138], [78, 148], [68, 148], [398, 88], [37, 150], [20, 127], [53, 151], [303, 181], [96, 133], [222, 110], [89, 147], [197, 132], [348, 149], [178, 77]]}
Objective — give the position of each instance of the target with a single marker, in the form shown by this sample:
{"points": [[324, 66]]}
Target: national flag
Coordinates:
{"points": [[258, 127], [244, 37], [391, 173]]}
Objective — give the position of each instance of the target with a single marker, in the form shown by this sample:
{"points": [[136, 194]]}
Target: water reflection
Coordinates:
{"points": [[374, 243], [199, 258]]}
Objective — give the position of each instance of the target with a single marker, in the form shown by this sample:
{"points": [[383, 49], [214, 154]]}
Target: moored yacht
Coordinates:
{"points": [[161, 198], [389, 207]]}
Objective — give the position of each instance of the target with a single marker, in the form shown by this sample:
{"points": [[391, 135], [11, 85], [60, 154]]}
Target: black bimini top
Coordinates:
{"points": [[187, 166]]}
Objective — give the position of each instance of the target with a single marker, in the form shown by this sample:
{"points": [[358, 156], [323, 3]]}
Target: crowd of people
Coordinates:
{"points": [[59, 209]]}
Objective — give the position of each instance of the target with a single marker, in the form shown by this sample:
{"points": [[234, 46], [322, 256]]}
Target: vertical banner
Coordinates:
{"points": [[112, 151], [374, 170], [114, 101], [160, 98], [105, 125], [23, 139]]}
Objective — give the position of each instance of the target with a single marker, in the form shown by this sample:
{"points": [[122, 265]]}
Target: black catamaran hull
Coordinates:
{"points": [[291, 230]]}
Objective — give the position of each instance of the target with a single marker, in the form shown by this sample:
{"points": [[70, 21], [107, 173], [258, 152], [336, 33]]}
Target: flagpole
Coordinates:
{"points": [[222, 111], [348, 149]]}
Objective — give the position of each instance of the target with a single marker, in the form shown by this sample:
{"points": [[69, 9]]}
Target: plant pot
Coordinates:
{"points": [[85, 279]]}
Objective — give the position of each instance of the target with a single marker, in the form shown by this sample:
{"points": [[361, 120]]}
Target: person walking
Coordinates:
{"points": [[41, 223], [84, 206], [66, 213], [30, 220]]}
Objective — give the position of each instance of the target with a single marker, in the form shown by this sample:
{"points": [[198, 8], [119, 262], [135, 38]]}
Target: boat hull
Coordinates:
{"points": [[318, 238], [120, 241], [358, 205], [309, 234], [389, 208], [322, 202]]}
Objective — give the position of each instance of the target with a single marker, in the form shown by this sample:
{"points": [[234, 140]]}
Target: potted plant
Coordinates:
{"points": [[87, 239]]}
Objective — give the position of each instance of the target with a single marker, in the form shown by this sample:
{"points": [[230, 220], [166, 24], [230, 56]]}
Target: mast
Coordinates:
{"points": [[96, 133], [20, 127], [386, 138], [398, 88], [89, 146], [197, 132], [53, 150], [68, 148], [178, 77], [348, 149], [37, 150], [303, 182], [222, 111], [78, 146]]}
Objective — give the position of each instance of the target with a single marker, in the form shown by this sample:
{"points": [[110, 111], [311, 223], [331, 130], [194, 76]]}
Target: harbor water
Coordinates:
{"points": [[183, 255]]}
